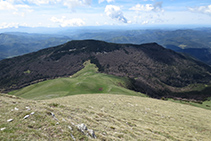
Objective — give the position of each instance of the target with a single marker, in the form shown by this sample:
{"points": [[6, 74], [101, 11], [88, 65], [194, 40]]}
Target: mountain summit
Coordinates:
{"points": [[153, 70]]}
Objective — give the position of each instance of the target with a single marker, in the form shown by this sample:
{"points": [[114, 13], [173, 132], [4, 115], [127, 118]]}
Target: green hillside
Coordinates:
{"points": [[112, 117], [86, 81]]}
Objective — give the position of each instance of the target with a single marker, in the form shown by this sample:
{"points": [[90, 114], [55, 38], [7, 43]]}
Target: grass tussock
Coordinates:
{"points": [[112, 117]]}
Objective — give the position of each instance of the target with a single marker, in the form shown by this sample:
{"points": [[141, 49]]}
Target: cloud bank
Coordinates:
{"points": [[115, 12], [108, 1], [64, 22], [12, 4], [201, 9], [156, 7]]}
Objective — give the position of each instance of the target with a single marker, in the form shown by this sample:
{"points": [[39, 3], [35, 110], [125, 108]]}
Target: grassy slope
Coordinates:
{"points": [[112, 117], [86, 81], [205, 104]]}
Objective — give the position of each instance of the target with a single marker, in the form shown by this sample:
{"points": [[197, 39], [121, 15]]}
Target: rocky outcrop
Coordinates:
{"points": [[89, 132]]}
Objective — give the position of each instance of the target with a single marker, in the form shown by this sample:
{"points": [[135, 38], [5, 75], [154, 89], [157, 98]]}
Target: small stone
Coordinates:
{"points": [[70, 128], [32, 113], [16, 109], [26, 117], [2, 129], [90, 107], [57, 123], [92, 133], [9, 120], [82, 126], [72, 137], [104, 133], [27, 108], [52, 114]]}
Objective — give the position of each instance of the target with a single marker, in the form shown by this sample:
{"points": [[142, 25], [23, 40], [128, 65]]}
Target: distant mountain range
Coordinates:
{"points": [[193, 42], [14, 44], [152, 69]]}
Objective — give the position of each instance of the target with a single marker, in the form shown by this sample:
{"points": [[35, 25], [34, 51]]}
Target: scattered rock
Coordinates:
{"points": [[82, 127], [27, 108], [27, 116], [16, 109], [91, 133], [32, 113], [9, 120], [72, 137], [54, 116], [90, 107], [2, 129], [104, 133], [70, 133], [70, 128]]}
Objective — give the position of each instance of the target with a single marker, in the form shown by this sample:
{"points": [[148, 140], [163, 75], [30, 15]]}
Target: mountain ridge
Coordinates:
{"points": [[154, 70]]}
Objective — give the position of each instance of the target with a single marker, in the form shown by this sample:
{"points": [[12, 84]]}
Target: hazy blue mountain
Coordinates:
{"points": [[14, 44], [194, 42]]}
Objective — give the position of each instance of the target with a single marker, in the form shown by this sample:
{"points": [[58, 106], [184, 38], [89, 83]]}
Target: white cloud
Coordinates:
{"points": [[39, 2], [156, 7], [201, 9], [13, 4], [100, 1], [115, 12], [75, 3], [140, 7], [64, 22], [17, 9], [22, 14], [4, 5], [11, 25], [147, 13]]}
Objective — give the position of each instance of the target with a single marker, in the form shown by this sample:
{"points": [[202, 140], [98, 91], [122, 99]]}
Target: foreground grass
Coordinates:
{"points": [[86, 81], [112, 117]]}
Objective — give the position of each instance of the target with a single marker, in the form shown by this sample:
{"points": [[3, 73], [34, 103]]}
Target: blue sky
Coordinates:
{"points": [[73, 13]]}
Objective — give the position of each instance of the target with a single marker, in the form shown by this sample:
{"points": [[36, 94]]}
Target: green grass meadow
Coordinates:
{"points": [[86, 81]]}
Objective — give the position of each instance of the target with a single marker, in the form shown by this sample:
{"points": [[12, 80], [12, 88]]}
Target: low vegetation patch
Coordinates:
{"points": [[201, 104]]}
